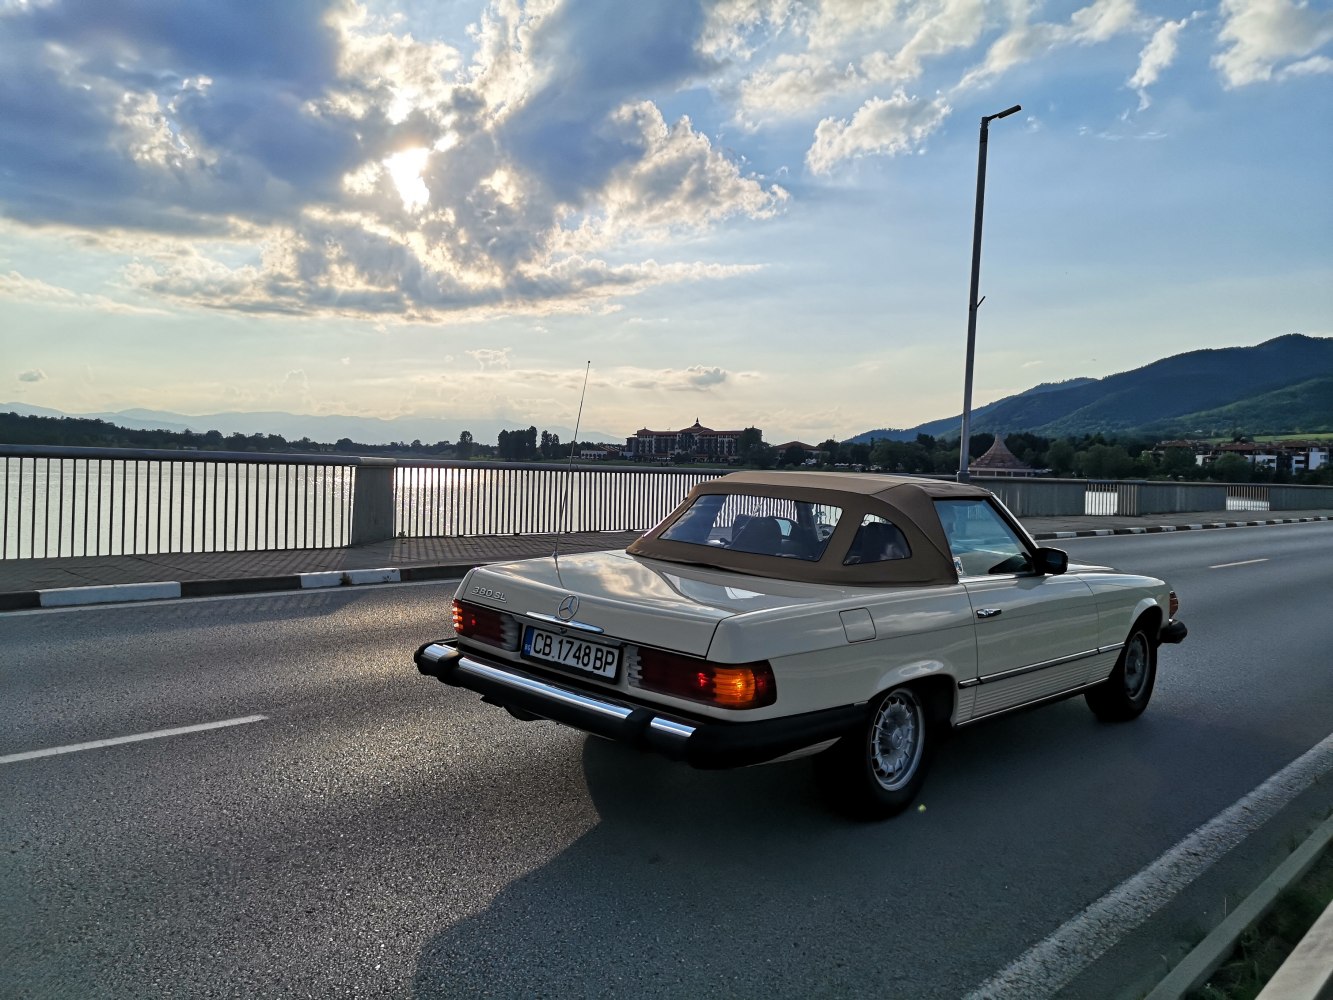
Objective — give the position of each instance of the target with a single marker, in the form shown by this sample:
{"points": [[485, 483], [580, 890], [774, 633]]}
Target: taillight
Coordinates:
{"points": [[472, 621], [1174, 604], [726, 685]]}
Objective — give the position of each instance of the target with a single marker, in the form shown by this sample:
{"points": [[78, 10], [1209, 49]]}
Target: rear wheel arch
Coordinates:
{"points": [[939, 692]]}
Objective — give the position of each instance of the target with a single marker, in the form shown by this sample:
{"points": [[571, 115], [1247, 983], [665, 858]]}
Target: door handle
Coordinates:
{"points": [[987, 612]]}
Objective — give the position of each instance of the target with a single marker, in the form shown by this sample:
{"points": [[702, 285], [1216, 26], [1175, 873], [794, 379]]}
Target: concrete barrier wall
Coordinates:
{"points": [[1038, 497], [1176, 498], [1300, 498], [372, 503]]}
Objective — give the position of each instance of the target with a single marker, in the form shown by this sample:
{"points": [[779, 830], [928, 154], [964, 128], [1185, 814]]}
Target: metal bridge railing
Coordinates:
{"points": [[434, 499], [95, 502], [58, 502]]}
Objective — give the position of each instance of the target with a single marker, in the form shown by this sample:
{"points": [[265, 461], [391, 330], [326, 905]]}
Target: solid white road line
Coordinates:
{"points": [[116, 740], [1050, 965], [1243, 562]]}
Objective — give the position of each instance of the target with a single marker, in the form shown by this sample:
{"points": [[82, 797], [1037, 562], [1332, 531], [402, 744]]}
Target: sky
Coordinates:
{"points": [[749, 212]]}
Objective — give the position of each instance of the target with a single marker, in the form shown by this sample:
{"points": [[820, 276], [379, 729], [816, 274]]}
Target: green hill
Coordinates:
{"points": [[1175, 392], [1304, 408]]}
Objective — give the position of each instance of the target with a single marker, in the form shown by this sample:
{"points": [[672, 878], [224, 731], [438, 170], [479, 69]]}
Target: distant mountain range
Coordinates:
{"points": [[1284, 385], [324, 429]]}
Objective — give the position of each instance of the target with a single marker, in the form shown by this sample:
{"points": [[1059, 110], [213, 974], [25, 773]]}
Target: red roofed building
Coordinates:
{"points": [[698, 441], [1000, 461]]}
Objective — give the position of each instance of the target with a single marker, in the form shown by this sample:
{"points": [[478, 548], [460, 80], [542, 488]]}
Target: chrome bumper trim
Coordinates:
{"points": [[564, 623], [1018, 671], [673, 728], [703, 743], [435, 652], [531, 684]]}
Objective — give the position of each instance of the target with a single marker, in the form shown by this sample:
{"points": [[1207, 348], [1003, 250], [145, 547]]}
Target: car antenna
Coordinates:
{"points": [[569, 474]]}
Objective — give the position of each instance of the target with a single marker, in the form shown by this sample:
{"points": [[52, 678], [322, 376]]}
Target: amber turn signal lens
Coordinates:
{"points": [[1174, 604], [732, 685], [735, 687]]}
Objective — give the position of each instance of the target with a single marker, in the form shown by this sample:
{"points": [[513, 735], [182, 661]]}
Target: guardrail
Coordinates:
{"points": [[109, 501]]}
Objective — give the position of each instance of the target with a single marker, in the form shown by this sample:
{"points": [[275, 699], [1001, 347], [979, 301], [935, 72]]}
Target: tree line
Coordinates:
{"points": [[516, 445], [1090, 456]]}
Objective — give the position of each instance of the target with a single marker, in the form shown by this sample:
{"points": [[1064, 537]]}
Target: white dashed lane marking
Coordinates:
{"points": [[14, 758], [1243, 562]]}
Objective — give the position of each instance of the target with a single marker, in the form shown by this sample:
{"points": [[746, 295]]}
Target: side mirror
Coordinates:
{"points": [[1052, 562]]}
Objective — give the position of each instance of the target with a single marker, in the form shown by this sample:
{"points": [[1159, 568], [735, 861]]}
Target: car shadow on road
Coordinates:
{"points": [[741, 883]]}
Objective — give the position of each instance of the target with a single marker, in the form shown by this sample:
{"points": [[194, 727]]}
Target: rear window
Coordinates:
{"points": [[791, 529]]}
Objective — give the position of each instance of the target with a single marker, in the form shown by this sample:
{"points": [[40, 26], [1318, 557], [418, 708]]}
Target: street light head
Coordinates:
{"points": [[1006, 112]]}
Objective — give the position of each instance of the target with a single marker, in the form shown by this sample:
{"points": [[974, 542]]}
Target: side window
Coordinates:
{"points": [[979, 539], [877, 540]]}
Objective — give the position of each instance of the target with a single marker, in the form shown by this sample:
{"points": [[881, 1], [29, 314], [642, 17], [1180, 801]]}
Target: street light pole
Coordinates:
{"points": [[972, 301]]}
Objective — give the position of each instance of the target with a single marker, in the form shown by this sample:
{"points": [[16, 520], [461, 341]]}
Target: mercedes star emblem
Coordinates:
{"points": [[568, 608]]}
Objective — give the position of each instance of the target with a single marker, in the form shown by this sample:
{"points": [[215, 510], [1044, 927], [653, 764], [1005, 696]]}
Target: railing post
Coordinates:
{"points": [[372, 501]]}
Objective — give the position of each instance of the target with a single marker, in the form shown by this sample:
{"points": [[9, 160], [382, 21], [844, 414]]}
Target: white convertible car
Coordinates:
{"points": [[774, 615]]}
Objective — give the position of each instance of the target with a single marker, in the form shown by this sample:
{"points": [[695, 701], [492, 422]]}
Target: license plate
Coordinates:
{"points": [[589, 657]]}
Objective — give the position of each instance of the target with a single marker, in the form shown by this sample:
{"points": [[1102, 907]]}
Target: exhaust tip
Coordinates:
{"points": [[435, 659]]}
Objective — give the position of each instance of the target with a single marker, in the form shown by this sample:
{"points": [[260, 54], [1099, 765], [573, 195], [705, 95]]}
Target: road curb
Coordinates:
{"points": [[66, 597], [1212, 951], [1158, 528]]}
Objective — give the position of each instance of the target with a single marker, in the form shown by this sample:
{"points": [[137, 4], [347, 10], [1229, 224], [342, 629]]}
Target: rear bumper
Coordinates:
{"points": [[1173, 631], [700, 742]]}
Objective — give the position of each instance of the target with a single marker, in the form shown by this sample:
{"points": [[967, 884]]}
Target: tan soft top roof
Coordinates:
{"points": [[852, 482], [906, 501]]}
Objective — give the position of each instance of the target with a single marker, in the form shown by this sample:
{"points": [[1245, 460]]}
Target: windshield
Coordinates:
{"points": [[980, 541], [792, 529]]}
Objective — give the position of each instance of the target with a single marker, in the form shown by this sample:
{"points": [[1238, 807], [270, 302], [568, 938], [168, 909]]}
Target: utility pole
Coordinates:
{"points": [[972, 301]]}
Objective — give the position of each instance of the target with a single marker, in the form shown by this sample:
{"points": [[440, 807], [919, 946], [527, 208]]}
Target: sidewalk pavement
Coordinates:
{"points": [[32, 583]]}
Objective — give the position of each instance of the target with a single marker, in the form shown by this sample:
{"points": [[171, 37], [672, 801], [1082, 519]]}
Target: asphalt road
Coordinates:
{"points": [[379, 834]]}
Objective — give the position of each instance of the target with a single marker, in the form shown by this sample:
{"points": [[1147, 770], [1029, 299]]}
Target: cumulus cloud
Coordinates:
{"points": [[898, 124], [356, 170], [696, 378], [787, 59], [1306, 67], [1025, 40], [1262, 34], [32, 375], [22, 288], [843, 48], [489, 357], [1157, 56]]}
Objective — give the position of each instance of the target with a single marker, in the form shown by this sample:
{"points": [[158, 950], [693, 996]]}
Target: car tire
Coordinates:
{"points": [[876, 771], [1125, 694]]}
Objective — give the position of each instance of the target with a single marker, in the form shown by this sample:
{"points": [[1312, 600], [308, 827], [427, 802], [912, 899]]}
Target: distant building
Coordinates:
{"points": [[1278, 456], [1000, 461], [697, 441]]}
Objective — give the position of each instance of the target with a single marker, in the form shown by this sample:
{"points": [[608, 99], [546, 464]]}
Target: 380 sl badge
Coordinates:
{"points": [[494, 595]]}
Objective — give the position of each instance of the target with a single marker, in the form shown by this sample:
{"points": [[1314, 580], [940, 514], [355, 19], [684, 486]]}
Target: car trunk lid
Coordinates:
{"points": [[637, 600]]}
